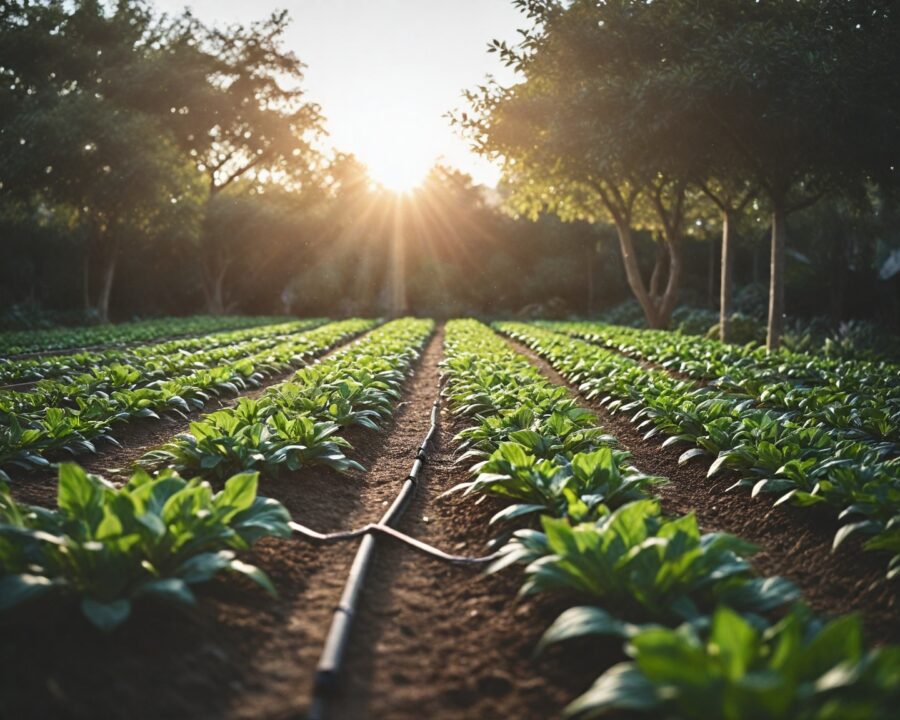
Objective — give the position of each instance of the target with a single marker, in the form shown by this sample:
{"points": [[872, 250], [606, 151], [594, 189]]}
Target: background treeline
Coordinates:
{"points": [[154, 165], [674, 115]]}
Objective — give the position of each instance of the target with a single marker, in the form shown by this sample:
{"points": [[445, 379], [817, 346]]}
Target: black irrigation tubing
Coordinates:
{"points": [[25, 386], [332, 657]]}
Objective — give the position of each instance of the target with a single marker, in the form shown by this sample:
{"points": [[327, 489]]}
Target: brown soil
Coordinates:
{"points": [[440, 641], [239, 654], [793, 542]]}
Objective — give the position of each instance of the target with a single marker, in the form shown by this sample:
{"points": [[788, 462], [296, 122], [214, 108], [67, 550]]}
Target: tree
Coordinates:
{"points": [[584, 133], [238, 110], [115, 114], [71, 144], [795, 96], [625, 106]]}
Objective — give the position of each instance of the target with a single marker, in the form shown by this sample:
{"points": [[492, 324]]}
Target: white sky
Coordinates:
{"points": [[386, 71]]}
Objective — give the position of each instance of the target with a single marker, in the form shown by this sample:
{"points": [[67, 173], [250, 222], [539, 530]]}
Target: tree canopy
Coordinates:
{"points": [[640, 112]]}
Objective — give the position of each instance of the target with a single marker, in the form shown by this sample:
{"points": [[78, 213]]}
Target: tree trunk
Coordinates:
{"points": [[217, 303], [86, 280], [106, 284], [670, 296], [659, 266], [711, 276], [633, 275], [726, 286], [590, 279], [214, 276], [657, 308], [776, 280]]}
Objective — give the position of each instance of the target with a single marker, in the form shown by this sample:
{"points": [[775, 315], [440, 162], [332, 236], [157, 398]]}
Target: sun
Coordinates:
{"points": [[398, 174]]}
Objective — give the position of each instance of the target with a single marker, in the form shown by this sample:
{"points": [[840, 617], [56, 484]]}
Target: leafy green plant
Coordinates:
{"points": [[644, 566], [72, 412], [109, 547], [226, 442], [798, 669], [573, 488]]}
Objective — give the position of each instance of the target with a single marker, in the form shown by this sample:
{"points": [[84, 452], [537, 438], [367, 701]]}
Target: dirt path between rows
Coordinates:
{"points": [[434, 640], [239, 654], [793, 542]]}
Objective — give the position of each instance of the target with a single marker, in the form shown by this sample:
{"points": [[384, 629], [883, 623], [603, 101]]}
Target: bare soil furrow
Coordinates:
{"points": [[439, 641]]}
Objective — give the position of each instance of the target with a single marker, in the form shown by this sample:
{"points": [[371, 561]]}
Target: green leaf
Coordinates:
{"points": [[585, 620], [172, 589], [690, 454], [622, 687], [239, 491], [255, 574], [77, 493], [840, 641], [736, 640], [18, 588], [514, 511], [203, 567], [106, 616]]}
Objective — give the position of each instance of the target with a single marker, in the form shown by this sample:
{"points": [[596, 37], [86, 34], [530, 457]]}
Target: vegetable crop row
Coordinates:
{"points": [[773, 452], [108, 548], [30, 369], [862, 399], [700, 628], [106, 378], [28, 341], [294, 423], [80, 415]]}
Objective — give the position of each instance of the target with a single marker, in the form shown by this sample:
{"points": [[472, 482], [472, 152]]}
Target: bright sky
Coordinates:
{"points": [[386, 71]]}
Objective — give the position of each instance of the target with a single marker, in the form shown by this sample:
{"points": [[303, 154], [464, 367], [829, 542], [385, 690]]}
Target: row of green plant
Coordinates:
{"points": [[772, 452], [109, 548], [706, 637], [75, 419], [295, 423], [27, 341], [860, 398], [802, 367], [34, 368], [104, 378], [848, 340]]}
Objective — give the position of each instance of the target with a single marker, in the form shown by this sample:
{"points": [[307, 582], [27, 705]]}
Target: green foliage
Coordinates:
{"points": [[229, 441], [14, 342], [569, 484], [108, 547], [697, 621], [93, 392], [807, 431], [125, 122], [798, 669], [643, 566], [293, 424]]}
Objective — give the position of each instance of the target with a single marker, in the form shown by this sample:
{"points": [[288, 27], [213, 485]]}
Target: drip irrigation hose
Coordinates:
{"points": [[380, 528], [332, 657]]}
